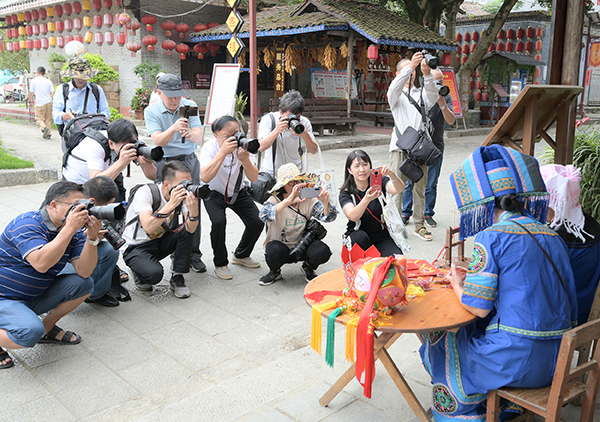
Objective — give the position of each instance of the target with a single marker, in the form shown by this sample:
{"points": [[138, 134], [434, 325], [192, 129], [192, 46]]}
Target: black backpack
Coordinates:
{"points": [[65, 90], [80, 127]]}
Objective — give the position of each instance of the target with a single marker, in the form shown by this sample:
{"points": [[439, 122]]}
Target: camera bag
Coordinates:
{"points": [[259, 189], [411, 170], [84, 125]]}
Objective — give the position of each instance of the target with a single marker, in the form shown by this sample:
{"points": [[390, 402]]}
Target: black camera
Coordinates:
{"points": [[250, 145], [197, 190], [112, 236], [154, 154], [295, 125], [110, 212], [313, 231], [431, 60]]}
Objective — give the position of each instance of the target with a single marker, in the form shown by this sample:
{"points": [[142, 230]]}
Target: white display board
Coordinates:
{"points": [[223, 87]]}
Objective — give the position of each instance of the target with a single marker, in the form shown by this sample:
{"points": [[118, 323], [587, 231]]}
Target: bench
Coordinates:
{"points": [[378, 117], [325, 114]]}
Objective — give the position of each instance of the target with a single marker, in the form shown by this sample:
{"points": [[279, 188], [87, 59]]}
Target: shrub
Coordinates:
{"points": [[114, 114], [141, 98]]}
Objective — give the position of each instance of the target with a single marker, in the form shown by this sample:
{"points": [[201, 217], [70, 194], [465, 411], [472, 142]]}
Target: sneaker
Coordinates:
{"points": [[430, 222], [223, 273], [197, 265], [405, 219], [46, 134], [246, 262], [424, 234], [309, 273], [270, 278], [106, 300], [139, 285], [178, 286]]}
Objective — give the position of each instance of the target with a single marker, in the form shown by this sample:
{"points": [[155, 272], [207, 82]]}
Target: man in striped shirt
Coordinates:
{"points": [[34, 248]]}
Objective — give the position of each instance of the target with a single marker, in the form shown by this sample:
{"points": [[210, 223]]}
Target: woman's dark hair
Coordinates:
{"points": [[349, 184], [219, 124], [122, 130], [509, 203]]}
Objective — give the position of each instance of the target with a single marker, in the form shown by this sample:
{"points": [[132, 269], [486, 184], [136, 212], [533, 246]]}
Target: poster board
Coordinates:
{"points": [[450, 82], [223, 87], [327, 85]]}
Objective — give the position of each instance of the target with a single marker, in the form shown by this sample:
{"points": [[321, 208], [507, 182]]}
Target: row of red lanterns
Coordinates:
{"points": [[509, 34], [59, 10]]}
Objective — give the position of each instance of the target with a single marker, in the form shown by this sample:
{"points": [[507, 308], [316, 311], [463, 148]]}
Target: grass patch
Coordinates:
{"points": [[16, 121], [8, 161]]}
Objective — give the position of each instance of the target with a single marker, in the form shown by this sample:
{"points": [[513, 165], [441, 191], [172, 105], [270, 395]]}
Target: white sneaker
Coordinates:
{"points": [[246, 262], [223, 273]]}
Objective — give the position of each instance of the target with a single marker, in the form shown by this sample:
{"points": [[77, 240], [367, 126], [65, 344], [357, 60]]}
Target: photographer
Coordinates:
{"points": [[223, 163], [288, 217], [153, 232], [406, 115], [36, 246], [282, 129], [178, 136], [102, 190]]}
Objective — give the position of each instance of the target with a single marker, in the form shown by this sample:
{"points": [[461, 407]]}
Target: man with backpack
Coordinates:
{"points": [[78, 96]]}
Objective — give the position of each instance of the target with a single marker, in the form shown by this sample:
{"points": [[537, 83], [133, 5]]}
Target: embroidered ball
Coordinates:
{"points": [[393, 287]]}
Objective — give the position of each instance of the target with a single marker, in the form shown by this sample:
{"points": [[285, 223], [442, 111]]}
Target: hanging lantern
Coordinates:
{"points": [[79, 38], [77, 24], [485, 96], [458, 37], [467, 36], [200, 27], [182, 28], [528, 46], [168, 26], [89, 37], [43, 13], [492, 47], [29, 45], [99, 39], [23, 44], [509, 46], [97, 4], [9, 47], [510, 34], [109, 37], [478, 84], [213, 24], [134, 25], [50, 11], [447, 59], [20, 17], [201, 50], [478, 96], [108, 4], [123, 19], [500, 46], [8, 20], [51, 26], [22, 31], [28, 16], [134, 47], [37, 44], [538, 31], [16, 46], [529, 32], [168, 45], [475, 36], [472, 84], [68, 9], [43, 28], [501, 34], [15, 19], [108, 19], [45, 43], [519, 33], [86, 5], [97, 20], [68, 39], [87, 21], [35, 15], [58, 9], [538, 57], [68, 25], [150, 41], [60, 26], [118, 3], [373, 52], [538, 45], [473, 47], [60, 41], [149, 20], [52, 42], [465, 48], [182, 49], [458, 51], [121, 38], [28, 31]]}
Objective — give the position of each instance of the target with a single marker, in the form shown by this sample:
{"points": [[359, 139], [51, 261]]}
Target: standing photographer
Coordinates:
{"points": [[282, 131], [223, 165], [153, 230], [178, 136], [406, 115], [292, 234]]}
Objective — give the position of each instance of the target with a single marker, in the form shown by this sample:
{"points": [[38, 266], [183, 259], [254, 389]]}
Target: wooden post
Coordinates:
{"points": [[530, 126], [253, 79], [349, 70]]}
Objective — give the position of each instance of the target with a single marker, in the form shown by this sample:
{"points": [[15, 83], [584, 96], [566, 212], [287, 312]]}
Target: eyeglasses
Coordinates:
{"points": [[294, 182], [69, 203]]}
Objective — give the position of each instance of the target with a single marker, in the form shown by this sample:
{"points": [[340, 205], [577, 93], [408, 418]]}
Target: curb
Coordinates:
{"points": [[27, 176]]}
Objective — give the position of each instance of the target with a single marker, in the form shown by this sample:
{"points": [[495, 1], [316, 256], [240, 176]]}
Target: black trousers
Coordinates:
{"points": [[144, 259], [384, 245], [245, 208], [277, 254]]}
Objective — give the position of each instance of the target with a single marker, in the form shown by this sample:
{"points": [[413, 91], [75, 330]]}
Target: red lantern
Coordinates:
{"points": [[538, 31], [99, 38], [213, 24], [510, 34], [150, 41], [492, 47], [467, 36], [478, 96], [76, 7], [118, 3], [200, 27], [213, 48], [134, 25], [8, 20], [15, 18], [68, 25], [69, 38], [501, 34], [60, 26], [182, 49], [485, 96], [509, 46], [98, 21], [45, 43], [201, 50], [168, 45], [500, 46], [377, 85], [472, 84], [528, 46], [109, 37], [97, 4], [447, 59], [475, 36], [77, 24], [458, 51], [108, 4], [27, 17], [149, 20], [538, 45], [35, 15], [464, 59], [108, 19], [538, 57], [43, 28], [16, 46], [43, 14], [519, 33], [35, 28], [373, 52], [478, 84], [458, 37], [60, 41], [121, 38], [28, 30], [182, 28], [519, 47], [134, 47], [58, 9], [29, 45], [529, 32], [79, 38], [168, 26], [68, 8], [37, 44], [473, 47], [465, 48]]}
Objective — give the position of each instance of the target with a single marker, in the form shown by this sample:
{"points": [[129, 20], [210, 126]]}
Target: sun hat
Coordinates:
{"points": [[562, 183], [171, 85], [79, 68], [494, 171], [288, 173]]}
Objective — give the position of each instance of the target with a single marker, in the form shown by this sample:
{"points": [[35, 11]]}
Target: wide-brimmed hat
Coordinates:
{"points": [[79, 68], [288, 173], [171, 85]]}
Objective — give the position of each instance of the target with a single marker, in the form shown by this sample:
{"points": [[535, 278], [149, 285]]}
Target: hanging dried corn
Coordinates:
{"points": [[293, 58], [258, 62], [269, 56], [242, 59], [344, 50], [342, 63], [394, 60], [363, 61], [328, 57]]}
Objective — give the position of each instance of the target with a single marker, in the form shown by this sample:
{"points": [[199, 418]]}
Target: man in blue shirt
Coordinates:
{"points": [[34, 248], [178, 137], [81, 96]]}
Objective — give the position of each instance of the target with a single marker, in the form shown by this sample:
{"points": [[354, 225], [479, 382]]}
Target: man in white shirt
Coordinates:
{"points": [[406, 115], [43, 88], [275, 129]]}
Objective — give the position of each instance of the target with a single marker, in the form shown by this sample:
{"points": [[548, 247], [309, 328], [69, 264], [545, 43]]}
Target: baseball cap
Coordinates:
{"points": [[171, 85]]}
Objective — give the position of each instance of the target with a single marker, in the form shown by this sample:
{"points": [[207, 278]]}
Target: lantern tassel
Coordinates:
{"points": [[315, 332], [351, 339], [331, 335]]}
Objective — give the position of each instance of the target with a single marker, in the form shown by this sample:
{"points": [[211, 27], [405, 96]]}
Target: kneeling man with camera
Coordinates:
{"points": [[153, 229], [293, 232], [35, 247]]}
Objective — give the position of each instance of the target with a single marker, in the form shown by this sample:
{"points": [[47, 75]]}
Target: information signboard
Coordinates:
{"points": [[223, 87], [450, 82], [330, 85]]}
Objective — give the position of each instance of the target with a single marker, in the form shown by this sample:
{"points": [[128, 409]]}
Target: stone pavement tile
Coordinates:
{"points": [[163, 380], [190, 346], [287, 291], [43, 354], [215, 290], [84, 384], [303, 404], [44, 409], [228, 369], [128, 411], [19, 386], [359, 412], [265, 414]]}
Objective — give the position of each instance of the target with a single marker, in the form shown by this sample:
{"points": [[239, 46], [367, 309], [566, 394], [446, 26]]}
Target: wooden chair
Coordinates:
{"points": [[449, 257], [548, 402]]}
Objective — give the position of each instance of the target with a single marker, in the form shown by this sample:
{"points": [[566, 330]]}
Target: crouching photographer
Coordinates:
{"points": [[153, 229], [294, 233]]}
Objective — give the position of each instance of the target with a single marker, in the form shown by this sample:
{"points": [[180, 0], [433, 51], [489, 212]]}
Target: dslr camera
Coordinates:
{"points": [[154, 154], [443, 90], [250, 145], [110, 212], [112, 236], [431, 60], [295, 125], [313, 231], [197, 190]]}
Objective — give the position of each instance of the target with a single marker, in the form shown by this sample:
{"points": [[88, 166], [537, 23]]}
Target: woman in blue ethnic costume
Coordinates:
{"points": [[524, 305]]}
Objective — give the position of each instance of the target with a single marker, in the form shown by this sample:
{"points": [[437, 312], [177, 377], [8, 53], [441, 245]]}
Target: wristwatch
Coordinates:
{"points": [[93, 242], [444, 107]]}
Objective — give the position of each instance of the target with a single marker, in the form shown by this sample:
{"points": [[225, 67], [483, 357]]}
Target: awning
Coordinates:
{"points": [[518, 58]]}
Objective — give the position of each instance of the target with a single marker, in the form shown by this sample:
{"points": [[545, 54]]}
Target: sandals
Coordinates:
{"points": [[424, 234], [50, 337], [3, 356], [123, 276]]}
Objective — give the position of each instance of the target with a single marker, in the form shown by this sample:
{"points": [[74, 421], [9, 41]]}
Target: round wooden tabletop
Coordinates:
{"points": [[438, 310]]}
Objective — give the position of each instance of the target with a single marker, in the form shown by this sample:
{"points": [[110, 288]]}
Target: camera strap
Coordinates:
{"points": [[298, 212], [238, 182], [273, 146]]}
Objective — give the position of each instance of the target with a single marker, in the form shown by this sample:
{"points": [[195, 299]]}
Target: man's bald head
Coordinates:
{"points": [[437, 75], [402, 64]]}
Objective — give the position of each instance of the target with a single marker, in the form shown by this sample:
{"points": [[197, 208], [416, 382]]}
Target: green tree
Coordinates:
{"points": [[14, 61]]}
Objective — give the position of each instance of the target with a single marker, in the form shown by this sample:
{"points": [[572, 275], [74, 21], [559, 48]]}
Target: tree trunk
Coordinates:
{"points": [[451, 13], [475, 58]]}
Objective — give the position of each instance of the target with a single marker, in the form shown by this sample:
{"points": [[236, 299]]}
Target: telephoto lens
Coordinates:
{"points": [[110, 212], [112, 236], [250, 145], [431, 60], [443, 90], [295, 125], [154, 154], [313, 231]]}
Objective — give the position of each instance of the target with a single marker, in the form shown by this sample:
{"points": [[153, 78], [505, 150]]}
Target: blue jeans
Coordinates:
{"points": [[20, 317], [102, 275], [433, 174]]}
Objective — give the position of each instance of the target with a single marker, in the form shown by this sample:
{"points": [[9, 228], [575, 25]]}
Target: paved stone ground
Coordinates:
{"points": [[232, 351]]}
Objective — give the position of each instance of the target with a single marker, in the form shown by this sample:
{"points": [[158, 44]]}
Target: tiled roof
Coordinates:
{"points": [[471, 9], [514, 16], [518, 58]]}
